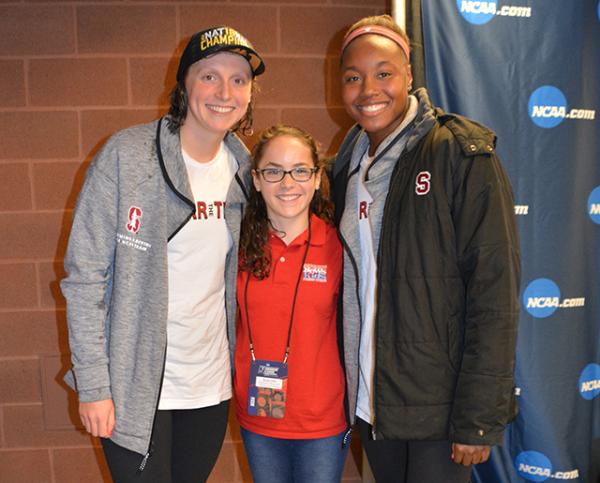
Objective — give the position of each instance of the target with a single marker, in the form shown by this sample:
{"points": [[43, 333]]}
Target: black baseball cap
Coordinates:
{"points": [[219, 39]]}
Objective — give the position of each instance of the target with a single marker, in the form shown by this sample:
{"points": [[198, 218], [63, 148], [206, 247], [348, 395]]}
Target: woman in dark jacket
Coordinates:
{"points": [[431, 270]]}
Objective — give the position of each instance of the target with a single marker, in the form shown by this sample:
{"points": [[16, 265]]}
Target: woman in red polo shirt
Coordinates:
{"points": [[289, 383]]}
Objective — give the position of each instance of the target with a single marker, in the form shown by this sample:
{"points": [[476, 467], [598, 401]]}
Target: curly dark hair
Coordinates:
{"points": [[255, 255], [179, 108]]}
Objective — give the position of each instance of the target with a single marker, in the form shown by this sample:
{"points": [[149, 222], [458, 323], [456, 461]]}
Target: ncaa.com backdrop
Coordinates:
{"points": [[531, 71]]}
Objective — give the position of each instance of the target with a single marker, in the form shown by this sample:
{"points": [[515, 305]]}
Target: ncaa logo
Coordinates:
{"points": [[541, 298], [547, 106], [477, 13], [533, 466], [594, 205], [589, 381]]}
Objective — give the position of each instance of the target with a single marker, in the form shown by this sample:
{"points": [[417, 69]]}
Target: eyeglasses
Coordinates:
{"points": [[275, 175]]}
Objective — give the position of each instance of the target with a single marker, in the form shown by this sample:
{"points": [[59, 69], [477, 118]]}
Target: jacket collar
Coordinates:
{"points": [[238, 192], [168, 149], [173, 166], [424, 120]]}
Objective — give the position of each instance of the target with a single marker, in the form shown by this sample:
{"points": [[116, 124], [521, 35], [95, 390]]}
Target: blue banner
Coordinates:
{"points": [[531, 71]]}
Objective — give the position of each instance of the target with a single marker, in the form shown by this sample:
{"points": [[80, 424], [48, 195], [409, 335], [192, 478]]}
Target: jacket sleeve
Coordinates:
{"points": [[89, 266], [489, 262]]}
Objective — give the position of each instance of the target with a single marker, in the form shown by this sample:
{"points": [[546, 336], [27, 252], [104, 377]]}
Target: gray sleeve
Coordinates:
{"points": [[89, 266]]}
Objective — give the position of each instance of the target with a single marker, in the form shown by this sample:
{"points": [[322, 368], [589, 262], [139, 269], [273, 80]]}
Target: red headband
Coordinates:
{"points": [[378, 30]]}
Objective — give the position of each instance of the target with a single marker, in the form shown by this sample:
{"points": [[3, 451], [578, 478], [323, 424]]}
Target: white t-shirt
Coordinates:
{"points": [[197, 368]]}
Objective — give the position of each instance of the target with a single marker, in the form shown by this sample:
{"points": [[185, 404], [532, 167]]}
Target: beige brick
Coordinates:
{"points": [[78, 82], [152, 80], [328, 126], [80, 465], [382, 5], [25, 466], [352, 470], [334, 83], [227, 465], [283, 2], [294, 81], [56, 185], [16, 187], [98, 125], [50, 274], [27, 235], [28, 333], [327, 28], [60, 403], [12, 83], [17, 287], [24, 426], [126, 29], [39, 135], [20, 381], [257, 22], [36, 30]]}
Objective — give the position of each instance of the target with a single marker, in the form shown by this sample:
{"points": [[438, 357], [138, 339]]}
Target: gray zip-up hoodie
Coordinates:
{"points": [[135, 198]]}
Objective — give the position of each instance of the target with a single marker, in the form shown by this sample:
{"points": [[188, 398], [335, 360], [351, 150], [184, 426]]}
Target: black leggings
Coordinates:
{"points": [[185, 446], [395, 461]]}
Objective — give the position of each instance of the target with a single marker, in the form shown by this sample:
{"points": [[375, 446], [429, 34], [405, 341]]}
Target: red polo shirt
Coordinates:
{"points": [[315, 394]]}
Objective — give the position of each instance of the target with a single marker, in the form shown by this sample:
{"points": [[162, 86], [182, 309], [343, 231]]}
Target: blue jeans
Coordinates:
{"points": [[274, 460]]}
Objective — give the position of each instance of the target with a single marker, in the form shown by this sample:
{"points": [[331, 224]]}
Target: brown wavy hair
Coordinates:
{"points": [[255, 255]]}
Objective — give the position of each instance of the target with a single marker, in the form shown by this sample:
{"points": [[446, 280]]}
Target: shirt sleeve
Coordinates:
{"points": [[89, 266], [489, 261]]}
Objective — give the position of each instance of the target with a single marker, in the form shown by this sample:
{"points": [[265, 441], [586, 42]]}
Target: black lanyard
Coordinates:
{"points": [[301, 271]]}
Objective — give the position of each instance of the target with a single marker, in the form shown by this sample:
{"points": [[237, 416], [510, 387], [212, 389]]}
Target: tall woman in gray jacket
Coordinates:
{"points": [[151, 269]]}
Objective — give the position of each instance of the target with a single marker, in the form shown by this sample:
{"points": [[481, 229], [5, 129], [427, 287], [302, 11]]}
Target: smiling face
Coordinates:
{"points": [[375, 83], [287, 201], [219, 89]]}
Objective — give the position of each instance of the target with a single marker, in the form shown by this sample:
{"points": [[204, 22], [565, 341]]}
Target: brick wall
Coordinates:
{"points": [[71, 73]]}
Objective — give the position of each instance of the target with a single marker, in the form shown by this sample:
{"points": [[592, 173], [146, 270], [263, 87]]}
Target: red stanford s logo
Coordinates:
{"points": [[423, 183], [135, 214]]}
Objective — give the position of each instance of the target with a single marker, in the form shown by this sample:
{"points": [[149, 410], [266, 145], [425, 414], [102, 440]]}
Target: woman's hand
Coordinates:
{"points": [[468, 454], [98, 417]]}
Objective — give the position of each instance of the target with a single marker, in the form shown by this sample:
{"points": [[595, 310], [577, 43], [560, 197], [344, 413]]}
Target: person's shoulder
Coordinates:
{"points": [[472, 137], [137, 134], [237, 147], [344, 154], [133, 143], [330, 233]]}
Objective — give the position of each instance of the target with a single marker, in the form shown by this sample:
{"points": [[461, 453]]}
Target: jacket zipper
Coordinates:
{"points": [[356, 274], [150, 449], [378, 295], [193, 211]]}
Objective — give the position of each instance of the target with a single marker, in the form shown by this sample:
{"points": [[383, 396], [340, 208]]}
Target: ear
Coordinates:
{"points": [[255, 180], [318, 179]]}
